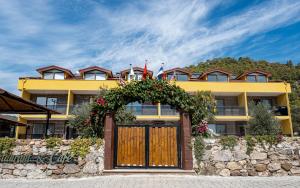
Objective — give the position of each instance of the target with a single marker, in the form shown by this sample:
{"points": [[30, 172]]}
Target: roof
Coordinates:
{"points": [[109, 72], [178, 69], [12, 104], [8, 119], [123, 73], [52, 67], [268, 74], [214, 70]]}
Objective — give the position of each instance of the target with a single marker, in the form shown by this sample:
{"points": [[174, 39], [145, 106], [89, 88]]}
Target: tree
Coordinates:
{"points": [[262, 121]]}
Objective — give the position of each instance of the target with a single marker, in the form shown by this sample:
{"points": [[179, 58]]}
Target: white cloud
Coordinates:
{"points": [[178, 33]]}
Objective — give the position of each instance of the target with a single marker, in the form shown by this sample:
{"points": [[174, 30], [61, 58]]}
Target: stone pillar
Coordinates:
{"points": [[108, 141], [186, 147]]}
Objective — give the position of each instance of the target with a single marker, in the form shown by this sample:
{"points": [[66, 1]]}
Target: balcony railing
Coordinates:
{"points": [[143, 109], [167, 110], [61, 108], [230, 111]]}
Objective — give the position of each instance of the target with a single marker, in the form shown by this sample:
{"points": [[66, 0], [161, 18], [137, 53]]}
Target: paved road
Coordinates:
{"points": [[157, 181]]}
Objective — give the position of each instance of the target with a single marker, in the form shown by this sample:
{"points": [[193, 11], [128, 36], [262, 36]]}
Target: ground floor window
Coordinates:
{"points": [[228, 128], [6, 129], [37, 129]]}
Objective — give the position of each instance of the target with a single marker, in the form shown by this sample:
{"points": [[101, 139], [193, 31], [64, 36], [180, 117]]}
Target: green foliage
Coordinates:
{"points": [[147, 90], [270, 140], [204, 105], [80, 147], [123, 116], [52, 142], [228, 142], [199, 147], [250, 142], [81, 121], [6, 144], [262, 121], [286, 72]]}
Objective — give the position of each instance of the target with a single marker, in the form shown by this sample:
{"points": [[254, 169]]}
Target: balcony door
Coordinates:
{"points": [[54, 102]]}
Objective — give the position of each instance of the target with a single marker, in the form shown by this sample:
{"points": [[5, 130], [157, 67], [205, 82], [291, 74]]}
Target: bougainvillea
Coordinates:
{"points": [[202, 129], [147, 90], [90, 120]]}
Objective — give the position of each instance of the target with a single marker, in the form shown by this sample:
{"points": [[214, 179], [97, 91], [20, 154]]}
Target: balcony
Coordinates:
{"points": [[61, 108], [167, 110], [142, 109], [230, 111], [279, 110]]}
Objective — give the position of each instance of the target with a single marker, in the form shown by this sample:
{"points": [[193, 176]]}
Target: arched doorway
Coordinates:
{"points": [[148, 145]]}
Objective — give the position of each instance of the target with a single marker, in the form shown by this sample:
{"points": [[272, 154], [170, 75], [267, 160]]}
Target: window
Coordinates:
{"points": [[138, 77], [95, 75], [178, 76], [261, 78], [82, 99], [221, 129], [256, 78], [142, 108], [220, 102], [54, 102], [217, 77], [54, 75], [251, 78]]}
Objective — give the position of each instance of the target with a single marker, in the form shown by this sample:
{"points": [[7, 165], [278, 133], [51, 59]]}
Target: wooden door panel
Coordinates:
{"points": [[163, 147], [131, 146]]}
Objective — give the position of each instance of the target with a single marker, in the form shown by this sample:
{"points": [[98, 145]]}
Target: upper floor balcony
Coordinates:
{"points": [[230, 111]]}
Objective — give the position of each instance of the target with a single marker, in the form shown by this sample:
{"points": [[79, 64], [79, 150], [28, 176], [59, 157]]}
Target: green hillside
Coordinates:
{"points": [[287, 72]]}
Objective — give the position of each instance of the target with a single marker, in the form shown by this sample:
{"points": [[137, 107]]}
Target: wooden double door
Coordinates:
{"points": [[147, 146]]}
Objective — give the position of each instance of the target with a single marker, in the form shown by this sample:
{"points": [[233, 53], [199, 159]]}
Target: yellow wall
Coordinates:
{"points": [[268, 87], [19, 129], [70, 101], [242, 88], [66, 85]]}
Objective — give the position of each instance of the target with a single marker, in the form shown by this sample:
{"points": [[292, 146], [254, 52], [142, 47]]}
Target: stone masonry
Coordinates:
{"points": [[279, 160], [91, 165]]}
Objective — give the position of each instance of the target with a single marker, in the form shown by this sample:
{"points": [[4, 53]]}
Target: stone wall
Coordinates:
{"points": [[91, 165], [278, 160]]}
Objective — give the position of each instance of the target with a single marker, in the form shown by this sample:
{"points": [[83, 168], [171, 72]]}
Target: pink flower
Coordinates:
{"points": [[87, 121], [202, 127], [101, 101]]}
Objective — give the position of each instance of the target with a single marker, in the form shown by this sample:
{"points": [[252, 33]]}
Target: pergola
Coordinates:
{"points": [[12, 104]]}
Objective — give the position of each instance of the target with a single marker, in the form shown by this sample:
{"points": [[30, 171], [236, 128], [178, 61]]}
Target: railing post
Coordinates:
{"points": [[186, 147], [108, 141]]}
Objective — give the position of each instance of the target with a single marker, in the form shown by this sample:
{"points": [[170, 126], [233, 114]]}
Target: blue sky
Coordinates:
{"points": [[114, 33]]}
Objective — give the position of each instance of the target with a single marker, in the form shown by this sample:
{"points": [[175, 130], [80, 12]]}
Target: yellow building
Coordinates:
{"points": [[59, 89]]}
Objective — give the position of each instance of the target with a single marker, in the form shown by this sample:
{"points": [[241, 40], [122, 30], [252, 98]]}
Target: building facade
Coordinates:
{"points": [[59, 89]]}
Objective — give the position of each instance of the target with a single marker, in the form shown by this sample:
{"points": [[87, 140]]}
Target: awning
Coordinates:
{"points": [[12, 104], [10, 121]]}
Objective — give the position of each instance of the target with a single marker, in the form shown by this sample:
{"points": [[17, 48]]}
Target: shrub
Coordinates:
{"points": [[52, 142], [268, 139], [90, 124], [204, 105], [199, 146], [263, 121], [80, 147], [6, 144], [250, 142], [271, 140], [228, 142]]}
